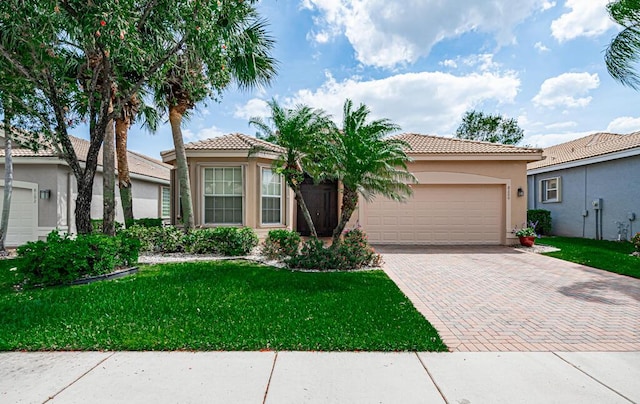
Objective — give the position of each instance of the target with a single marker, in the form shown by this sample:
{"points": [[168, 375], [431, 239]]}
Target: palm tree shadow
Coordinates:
{"points": [[597, 291]]}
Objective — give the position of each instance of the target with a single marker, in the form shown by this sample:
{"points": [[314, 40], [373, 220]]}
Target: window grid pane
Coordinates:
{"points": [[166, 202], [223, 195]]}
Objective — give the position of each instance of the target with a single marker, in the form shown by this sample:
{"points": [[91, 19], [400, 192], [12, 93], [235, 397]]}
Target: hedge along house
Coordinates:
{"points": [[44, 190], [467, 193], [590, 185], [231, 186]]}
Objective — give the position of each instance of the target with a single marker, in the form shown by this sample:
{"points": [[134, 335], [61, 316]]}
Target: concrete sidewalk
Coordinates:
{"points": [[319, 377]]}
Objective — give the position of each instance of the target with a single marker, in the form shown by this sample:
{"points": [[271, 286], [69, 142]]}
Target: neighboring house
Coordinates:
{"points": [[590, 185], [467, 193], [44, 190]]}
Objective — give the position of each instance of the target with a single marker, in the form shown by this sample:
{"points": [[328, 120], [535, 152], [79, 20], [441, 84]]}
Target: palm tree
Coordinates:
{"points": [[5, 105], [300, 132], [123, 122], [246, 61], [366, 163], [623, 53]]}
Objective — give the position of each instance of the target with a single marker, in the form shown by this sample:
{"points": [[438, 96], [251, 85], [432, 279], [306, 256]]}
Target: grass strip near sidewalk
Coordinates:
{"points": [[223, 305], [612, 256]]}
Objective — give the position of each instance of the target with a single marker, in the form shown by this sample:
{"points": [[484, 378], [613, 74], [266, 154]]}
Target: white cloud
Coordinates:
{"points": [[255, 107], [561, 125], [540, 47], [427, 102], [200, 134], [385, 33], [624, 124], [552, 139], [449, 63], [587, 18], [567, 90]]}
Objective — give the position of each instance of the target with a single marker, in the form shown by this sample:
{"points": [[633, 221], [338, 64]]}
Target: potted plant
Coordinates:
{"points": [[527, 235]]}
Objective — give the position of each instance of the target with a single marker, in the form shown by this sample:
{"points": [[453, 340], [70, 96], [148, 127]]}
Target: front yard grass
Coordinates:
{"points": [[223, 305], [611, 256]]}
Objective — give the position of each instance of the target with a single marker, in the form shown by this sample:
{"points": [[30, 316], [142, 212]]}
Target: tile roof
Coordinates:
{"points": [[597, 144], [138, 163], [428, 144], [233, 141]]}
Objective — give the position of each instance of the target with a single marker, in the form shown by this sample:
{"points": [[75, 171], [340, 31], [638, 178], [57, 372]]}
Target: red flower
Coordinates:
{"points": [[103, 23]]}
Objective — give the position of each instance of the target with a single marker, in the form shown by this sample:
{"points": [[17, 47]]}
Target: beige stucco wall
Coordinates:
{"points": [[511, 174], [251, 169]]}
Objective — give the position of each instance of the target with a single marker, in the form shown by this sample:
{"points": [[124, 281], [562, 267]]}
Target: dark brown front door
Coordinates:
{"points": [[322, 201]]}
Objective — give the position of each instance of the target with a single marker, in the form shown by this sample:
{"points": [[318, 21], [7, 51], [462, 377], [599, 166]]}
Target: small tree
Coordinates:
{"points": [[477, 125], [367, 163], [301, 132]]}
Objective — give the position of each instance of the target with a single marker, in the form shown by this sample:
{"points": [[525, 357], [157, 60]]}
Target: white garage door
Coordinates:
{"points": [[23, 216], [438, 215]]}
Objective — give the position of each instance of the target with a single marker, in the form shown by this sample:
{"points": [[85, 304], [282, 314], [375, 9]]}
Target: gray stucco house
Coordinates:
{"points": [[591, 186], [44, 190]]}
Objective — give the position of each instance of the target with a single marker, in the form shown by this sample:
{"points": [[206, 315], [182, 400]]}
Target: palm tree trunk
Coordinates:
{"points": [[176, 112], [124, 177], [305, 210], [109, 181], [8, 180], [349, 204]]}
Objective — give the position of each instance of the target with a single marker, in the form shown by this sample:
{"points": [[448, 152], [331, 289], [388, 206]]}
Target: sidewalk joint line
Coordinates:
{"points": [[77, 379], [432, 379], [593, 378], [275, 358]]}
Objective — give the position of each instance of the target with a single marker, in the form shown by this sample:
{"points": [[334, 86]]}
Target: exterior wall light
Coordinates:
{"points": [[45, 193], [520, 191]]}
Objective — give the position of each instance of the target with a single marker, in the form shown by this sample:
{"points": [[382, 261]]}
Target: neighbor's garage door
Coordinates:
{"points": [[438, 214], [23, 216]]}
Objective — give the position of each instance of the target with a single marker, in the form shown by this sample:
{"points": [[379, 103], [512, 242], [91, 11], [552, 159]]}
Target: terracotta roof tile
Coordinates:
{"points": [[138, 163], [598, 144], [234, 141], [428, 144]]}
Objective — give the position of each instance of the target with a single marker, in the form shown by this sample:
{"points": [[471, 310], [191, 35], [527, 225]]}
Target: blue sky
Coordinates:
{"points": [[423, 63]]}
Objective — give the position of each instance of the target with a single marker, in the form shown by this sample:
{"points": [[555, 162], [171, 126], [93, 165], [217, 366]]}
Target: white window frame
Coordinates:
{"points": [[544, 190], [164, 189], [205, 195], [262, 195]]}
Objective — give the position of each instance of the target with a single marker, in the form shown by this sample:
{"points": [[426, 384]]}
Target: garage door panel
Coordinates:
{"points": [[439, 215]]}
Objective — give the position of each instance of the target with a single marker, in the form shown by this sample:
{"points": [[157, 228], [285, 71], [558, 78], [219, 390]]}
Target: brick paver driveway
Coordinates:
{"points": [[501, 299]]}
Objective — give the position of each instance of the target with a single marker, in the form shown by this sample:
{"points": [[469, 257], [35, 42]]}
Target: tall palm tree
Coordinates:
{"points": [[365, 162], [5, 106], [623, 53], [300, 132], [246, 61], [123, 122]]}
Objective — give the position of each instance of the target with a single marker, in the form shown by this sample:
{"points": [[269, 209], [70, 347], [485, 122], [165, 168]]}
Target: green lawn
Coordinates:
{"points": [[215, 306], [611, 256]]}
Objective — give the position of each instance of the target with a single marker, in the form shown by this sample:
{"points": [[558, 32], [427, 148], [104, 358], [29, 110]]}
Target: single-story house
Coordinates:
{"points": [[467, 192], [44, 190], [590, 185]]}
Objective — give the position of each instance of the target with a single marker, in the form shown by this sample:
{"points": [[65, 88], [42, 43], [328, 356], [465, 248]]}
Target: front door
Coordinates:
{"points": [[322, 202]]}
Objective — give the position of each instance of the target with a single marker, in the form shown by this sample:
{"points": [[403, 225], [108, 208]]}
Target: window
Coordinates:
{"points": [[550, 190], [271, 197], [223, 195], [165, 207]]}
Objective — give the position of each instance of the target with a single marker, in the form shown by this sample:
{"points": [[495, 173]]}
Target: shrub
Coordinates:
{"points": [[543, 219], [62, 259], [201, 241], [280, 244], [167, 239], [231, 241], [146, 222], [96, 226], [636, 241], [353, 252]]}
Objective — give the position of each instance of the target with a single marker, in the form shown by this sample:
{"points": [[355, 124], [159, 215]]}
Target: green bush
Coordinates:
{"points": [[542, 219], [96, 226], [146, 222], [636, 241], [167, 239], [353, 252], [62, 259], [280, 244], [232, 242]]}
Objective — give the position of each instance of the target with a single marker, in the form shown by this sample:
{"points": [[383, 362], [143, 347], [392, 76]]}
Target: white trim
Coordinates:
{"points": [[282, 190], [543, 190], [243, 175], [586, 161], [476, 157], [171, 156]]}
